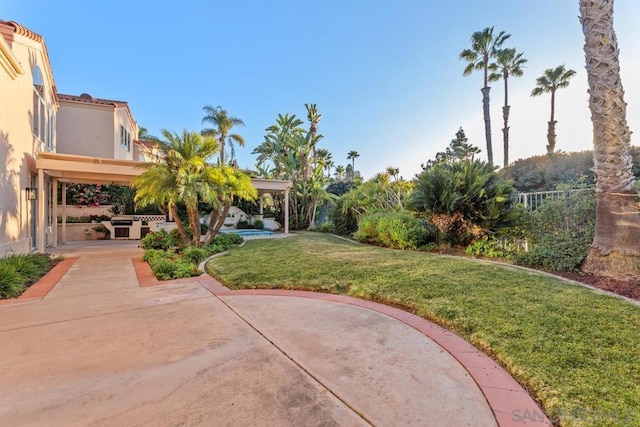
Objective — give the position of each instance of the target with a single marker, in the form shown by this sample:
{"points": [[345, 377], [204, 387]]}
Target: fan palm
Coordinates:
{"points": [[615, 249], [222, 131], [552, 80], [508, 64], [484, 47]]}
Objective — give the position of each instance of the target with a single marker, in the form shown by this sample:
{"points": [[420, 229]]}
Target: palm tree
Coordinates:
{"points": [[552, 80], [352, 155], [180, 177], [314, 119], [484, 47], [223, 124], [508, 64], [340, 172], [615, 249]]}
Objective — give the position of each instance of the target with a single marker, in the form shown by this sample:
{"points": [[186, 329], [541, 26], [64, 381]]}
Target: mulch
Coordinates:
{"points": [[629, 288]]}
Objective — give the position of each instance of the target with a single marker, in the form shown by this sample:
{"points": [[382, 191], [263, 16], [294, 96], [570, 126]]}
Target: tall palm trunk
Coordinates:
{"points": [[551, 129], [486, 109], [615, 249], [505, 117]]}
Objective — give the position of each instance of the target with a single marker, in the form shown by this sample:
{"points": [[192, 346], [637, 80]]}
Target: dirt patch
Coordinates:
{"points": [[629, 288]]}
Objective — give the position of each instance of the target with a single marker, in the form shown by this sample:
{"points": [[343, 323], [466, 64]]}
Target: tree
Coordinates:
{"points": [[314, 118], [615, 250], [223, 124], [552, 80], [340, 170], [458, 149], [289, 148], [180, 178], [484, 47], [352, 155], [508, 64]]}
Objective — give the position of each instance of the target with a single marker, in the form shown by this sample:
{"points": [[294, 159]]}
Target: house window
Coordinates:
{"points": [[125, 138], [42, 115]]}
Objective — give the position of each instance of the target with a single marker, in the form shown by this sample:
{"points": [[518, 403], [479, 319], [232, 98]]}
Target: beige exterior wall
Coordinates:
{"points": [[85, 129], [17, 141], [124, 150]]}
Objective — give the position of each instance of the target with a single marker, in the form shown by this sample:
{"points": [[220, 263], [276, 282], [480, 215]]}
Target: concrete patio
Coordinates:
{"points": [[99, 349]]}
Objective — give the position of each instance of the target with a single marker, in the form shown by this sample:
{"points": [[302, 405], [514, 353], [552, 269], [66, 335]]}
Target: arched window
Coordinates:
{"points": [[42, 115]]}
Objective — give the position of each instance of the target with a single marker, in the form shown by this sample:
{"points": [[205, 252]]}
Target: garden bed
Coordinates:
{"points": [[18, 272]]}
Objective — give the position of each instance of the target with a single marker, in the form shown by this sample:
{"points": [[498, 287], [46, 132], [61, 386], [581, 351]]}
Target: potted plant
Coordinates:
{"points": [[102, 232]]}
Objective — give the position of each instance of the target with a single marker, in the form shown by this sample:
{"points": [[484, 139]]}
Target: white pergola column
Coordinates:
{"points": [[41, 213], [64, 212], [286, 211], [261, 205], [54, 204]]}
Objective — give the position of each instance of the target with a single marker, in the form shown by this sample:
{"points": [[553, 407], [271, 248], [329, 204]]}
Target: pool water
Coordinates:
{"points": [[248, 232]]}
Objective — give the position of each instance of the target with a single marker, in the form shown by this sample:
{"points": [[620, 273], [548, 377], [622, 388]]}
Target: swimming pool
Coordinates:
{"points": [[248, 232]]}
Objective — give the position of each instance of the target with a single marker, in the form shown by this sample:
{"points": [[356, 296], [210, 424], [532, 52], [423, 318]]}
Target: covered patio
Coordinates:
{"points": [[68, 168]]}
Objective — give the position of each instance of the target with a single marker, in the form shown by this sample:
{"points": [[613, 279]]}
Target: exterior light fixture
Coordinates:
{"points": [[32, 193]]}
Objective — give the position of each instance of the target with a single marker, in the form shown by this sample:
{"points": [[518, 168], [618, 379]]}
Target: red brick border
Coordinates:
{"points": [[41, 288], [512, 406]]}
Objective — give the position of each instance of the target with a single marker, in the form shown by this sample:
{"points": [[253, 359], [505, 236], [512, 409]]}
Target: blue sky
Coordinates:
{"points": [[384, 75]]}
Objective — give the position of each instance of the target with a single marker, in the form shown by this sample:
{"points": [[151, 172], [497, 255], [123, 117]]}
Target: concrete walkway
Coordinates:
{"points": [[99, 349]]}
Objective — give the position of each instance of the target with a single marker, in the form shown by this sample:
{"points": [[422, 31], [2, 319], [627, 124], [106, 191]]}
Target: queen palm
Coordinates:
{"points": [[340, 172], [484, 47], [508, 64], [552, 80], [615, 250], [222, 131]]}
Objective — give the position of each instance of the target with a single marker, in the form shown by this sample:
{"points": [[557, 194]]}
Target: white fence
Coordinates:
{"points": [[532, 201]]}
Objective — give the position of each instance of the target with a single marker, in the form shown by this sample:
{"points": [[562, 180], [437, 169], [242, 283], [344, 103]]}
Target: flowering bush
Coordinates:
{"points": [[157, 240], [86, 195]]}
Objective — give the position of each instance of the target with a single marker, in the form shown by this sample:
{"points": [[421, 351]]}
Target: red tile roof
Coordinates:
{"points": [[88, 99]]}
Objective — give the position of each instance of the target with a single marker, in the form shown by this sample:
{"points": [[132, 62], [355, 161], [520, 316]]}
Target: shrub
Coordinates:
{"points": [[489, 248], [177, 237], [11, 283], [394, 230], [560, 231], [258, 225], [464, 199], [228, 239], [195, 255], [203, 229], [344, 221], [243, 225], [326, 227], [556, 253], [157, 240]]}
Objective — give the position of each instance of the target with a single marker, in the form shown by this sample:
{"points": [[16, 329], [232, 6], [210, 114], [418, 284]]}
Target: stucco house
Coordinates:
{"points": [[28, 110], [96, 127]]}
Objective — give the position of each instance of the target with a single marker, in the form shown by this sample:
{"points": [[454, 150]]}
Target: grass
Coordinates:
{"points": [[576, 351]]}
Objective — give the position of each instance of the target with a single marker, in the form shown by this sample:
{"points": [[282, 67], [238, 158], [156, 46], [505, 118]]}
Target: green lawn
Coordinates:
{"points": [[578, 352]]}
